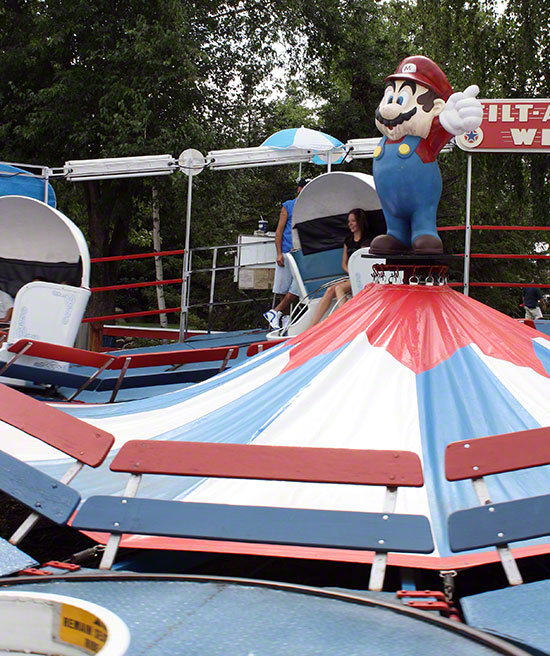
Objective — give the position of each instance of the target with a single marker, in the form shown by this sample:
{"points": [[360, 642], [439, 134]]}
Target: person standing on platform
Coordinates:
{"points": [[283, 284], [532, 302]]}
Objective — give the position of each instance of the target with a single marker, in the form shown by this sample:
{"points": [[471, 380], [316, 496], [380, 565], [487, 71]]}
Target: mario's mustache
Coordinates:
{"points": [[391, 123]]}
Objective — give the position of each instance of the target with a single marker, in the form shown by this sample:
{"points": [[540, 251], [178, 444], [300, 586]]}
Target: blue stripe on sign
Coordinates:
{"points": [[462, 399], [167, 400]]}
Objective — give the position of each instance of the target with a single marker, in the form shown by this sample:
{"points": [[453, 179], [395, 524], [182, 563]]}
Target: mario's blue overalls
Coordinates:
{"points": [[409, 189]]}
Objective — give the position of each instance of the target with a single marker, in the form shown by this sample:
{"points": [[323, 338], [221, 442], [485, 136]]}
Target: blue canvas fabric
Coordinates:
{"points": [[16, 182]]}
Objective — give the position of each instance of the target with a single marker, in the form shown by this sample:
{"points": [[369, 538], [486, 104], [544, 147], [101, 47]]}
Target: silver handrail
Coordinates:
{"points": [[227, 249]]}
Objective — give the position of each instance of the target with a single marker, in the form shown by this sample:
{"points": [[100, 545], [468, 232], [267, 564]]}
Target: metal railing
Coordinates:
{"points": [[227, 249]]}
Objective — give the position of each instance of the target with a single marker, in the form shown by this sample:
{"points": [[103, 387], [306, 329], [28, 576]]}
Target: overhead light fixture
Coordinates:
{"points": [[119, 167], [361, 148], [239, 158], [364, 148]]}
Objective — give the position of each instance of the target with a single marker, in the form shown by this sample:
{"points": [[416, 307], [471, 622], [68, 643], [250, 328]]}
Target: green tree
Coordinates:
{"points": [[104, 79]]}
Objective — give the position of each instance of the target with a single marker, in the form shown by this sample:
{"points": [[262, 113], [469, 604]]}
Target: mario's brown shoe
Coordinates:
{"points": [[388, 245], [427, 245]]}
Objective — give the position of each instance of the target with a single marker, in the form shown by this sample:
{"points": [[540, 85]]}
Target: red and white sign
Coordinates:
{"points": [[521, 125]]}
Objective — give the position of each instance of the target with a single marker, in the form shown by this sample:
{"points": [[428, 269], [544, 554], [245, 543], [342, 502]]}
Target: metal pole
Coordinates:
{"points": [[212, 286], [46, 174], [184, 317], [468, 231]]}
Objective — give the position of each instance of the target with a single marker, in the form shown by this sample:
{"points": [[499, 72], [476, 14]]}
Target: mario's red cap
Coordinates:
{"points": [[424, 71]]}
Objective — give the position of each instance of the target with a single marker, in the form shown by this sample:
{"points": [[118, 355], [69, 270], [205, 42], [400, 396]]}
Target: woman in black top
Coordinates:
{"points": [[359, 228]]}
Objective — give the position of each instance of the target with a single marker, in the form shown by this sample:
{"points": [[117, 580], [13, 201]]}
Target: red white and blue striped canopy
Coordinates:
{"points": [[397, 367]]}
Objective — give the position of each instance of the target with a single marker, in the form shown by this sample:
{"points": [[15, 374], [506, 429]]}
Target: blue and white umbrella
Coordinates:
{"points": [[303, 138], [324, 145]]}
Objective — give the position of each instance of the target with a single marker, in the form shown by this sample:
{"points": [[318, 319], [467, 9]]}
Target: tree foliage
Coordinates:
{"points": [[111, 78]]}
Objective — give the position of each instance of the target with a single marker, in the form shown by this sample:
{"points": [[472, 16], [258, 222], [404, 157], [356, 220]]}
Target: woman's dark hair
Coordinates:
{"points": [[362, 221]]}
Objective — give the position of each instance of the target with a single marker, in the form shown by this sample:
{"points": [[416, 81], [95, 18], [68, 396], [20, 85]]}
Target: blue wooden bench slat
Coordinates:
{"points": [[71, 379], [516, 613], [41, 493], [108, 380], [296, 526], [499, 523]]}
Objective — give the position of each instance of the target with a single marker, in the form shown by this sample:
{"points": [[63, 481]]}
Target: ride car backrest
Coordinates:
{"points": [[48, 312]]}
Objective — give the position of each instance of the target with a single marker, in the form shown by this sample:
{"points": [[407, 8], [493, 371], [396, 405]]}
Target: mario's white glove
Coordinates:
{"points": [[462, 112]]}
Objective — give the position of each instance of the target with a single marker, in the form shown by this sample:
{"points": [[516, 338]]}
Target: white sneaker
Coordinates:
{"points": [[273, 317], [284, 323]]}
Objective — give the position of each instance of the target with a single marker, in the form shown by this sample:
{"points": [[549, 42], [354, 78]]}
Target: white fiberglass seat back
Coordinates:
{"points": [[45, 267]]}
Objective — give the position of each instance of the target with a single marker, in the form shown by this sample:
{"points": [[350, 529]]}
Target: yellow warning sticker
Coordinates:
{"points": [[81, 628]]}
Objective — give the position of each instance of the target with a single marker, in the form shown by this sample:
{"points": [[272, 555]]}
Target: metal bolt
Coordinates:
{"points": [[466, 446], [381, 541]]}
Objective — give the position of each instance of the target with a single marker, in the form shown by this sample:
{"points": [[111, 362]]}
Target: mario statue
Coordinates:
{"points": [[418, 115]]}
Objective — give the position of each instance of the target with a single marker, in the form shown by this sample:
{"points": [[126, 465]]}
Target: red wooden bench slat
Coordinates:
{"points": [[68, 434], [61, 353], [288, 463], [497, 454], [253, 349], [166, 358]]}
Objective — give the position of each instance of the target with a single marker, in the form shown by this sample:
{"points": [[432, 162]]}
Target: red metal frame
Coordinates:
{"points": [[116, 258], [145, 313]]}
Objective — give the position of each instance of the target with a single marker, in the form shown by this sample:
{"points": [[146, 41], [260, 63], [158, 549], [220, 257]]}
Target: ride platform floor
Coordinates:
{"points": [[205, 615]]}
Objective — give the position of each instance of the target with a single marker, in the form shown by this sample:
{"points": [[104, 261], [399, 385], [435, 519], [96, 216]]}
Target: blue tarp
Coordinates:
{"points": [[16, 182]]}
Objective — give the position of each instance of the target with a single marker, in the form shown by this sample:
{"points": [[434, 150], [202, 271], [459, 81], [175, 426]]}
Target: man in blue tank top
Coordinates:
{"points": [[283, 283]]}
